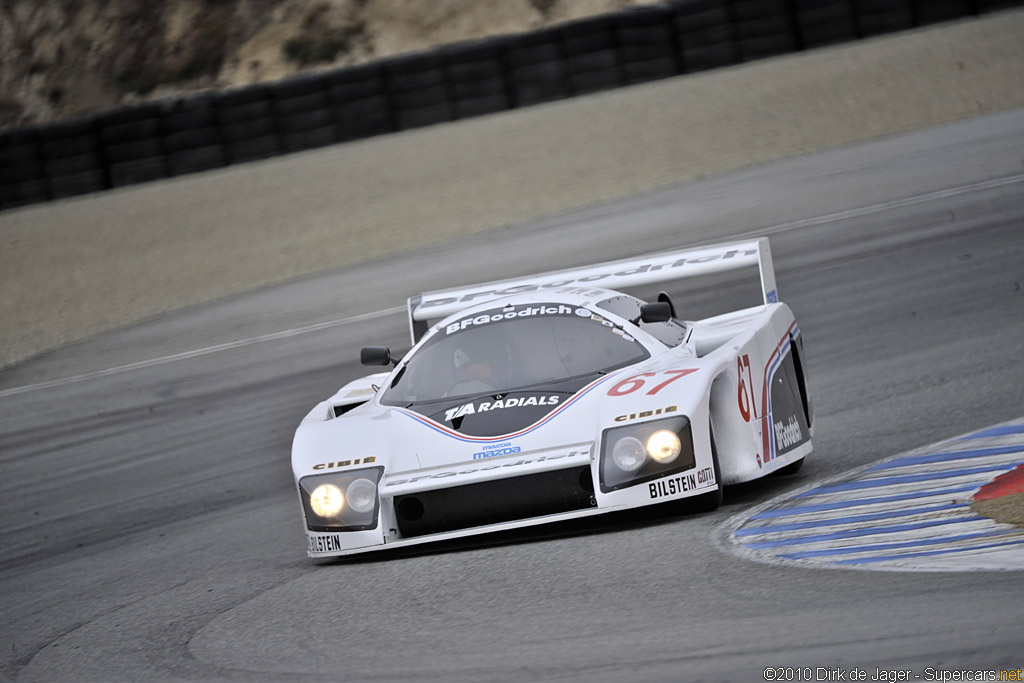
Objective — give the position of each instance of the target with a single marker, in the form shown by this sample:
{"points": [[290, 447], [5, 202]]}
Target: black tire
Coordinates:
{"points": [[252, 149], [709, 57], [137, 171], [469, 72], [296, 86], [429, 96], [595, 81], [424, 116], [767, 46], [791, 468], [24, 193], [712, 500], [131, 151], [876, 17], [357, 127], [759, 9], [536, 83], [701, 16], [532, 48], [195, 160], [651, 70], [245, 112], [68, 139], [308, 120], [76, 184], [191, 139], [198, 111], [247, 130], [594, 71], [465, 90], [309, 139], [69, 166], [293, 106], [354, 83], [478, 106], [129, 131], [933, 11]]}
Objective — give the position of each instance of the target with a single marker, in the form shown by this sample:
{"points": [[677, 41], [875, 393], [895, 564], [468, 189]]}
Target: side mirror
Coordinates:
{"points": [[376, 355], [658, 312]]}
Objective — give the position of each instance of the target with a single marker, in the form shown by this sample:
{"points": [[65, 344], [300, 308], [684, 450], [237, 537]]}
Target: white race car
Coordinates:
{"points": [[554, 397]]}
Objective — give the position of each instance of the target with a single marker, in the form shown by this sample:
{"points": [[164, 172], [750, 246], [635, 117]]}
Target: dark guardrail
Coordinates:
{"points": [[210, 130]]}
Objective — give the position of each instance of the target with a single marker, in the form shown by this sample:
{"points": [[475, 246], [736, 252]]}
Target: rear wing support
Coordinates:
{"points": [[631, 272]]}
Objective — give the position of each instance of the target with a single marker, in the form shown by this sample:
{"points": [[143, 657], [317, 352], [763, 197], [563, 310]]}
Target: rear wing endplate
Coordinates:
{"points": [[631, 272]]}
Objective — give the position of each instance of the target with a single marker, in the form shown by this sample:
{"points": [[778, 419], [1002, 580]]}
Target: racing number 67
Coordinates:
{"points": [[744, 395], [631, 384]]}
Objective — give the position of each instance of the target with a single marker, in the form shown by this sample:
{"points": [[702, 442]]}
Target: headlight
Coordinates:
{"points": [[326, 500], [645, 451], [362, 495], [663, 446], [628, 454], [341, 501]]}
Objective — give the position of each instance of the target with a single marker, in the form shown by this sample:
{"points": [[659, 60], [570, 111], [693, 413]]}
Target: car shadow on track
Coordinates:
{"points": [[736, 498]]}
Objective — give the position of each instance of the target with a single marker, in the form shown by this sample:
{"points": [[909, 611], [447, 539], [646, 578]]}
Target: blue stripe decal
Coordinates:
{"points": [[837, 521], [890, 546], [995, 431], [841, 504], [928, 553], [856, 533], [771, 375], [904, 479], [945, 457]]}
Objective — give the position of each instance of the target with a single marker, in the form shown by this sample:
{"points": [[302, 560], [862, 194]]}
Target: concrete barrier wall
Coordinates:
{"points": [[172, 138]]}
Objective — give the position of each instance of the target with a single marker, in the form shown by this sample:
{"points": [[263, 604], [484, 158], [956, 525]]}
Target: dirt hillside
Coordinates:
{"points": [[62, 58]]}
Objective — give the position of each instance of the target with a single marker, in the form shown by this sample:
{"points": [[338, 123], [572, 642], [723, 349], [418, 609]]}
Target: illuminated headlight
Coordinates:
{"points": [[326, 500], [664, 446], [341, 501], [645, 451]]}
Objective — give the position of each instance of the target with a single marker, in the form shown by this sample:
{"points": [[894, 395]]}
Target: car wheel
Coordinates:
{"points": [[791, 468], [706, 502]]}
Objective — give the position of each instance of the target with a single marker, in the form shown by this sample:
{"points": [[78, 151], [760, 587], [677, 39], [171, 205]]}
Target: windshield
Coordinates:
{"points": [[509, 348]]}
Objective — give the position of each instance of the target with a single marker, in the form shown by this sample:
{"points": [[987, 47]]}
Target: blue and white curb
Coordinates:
{"points": [[910, 512]]}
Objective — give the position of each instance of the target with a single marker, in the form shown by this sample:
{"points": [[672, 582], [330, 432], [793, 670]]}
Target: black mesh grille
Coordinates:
{"points": [[493, 502]]}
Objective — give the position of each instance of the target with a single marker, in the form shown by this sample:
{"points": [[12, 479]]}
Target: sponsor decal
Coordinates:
{"points": [[497, 449], [788, 434], [509, 313], [360, 392], [582, 312], [646, 413], [500, 404], [642, 268], [323, 543], [682, 483], [456, 473], [343, 463]]}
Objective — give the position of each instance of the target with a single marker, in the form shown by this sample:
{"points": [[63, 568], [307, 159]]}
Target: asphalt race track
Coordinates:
{"points": [[151, 532]]}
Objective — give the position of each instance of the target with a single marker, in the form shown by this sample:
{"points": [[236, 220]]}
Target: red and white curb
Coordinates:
{"points": [[911, 512]]}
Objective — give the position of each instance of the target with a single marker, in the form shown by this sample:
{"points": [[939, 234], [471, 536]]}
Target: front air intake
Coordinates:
{"points": [[493, 502]]}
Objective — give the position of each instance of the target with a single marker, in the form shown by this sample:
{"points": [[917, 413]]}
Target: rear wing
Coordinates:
{"points": [[631, 272]]}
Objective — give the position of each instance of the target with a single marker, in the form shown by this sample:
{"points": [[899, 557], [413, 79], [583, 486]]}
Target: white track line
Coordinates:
{"points": [[195, 353], [884, 206], [771, 230]]}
